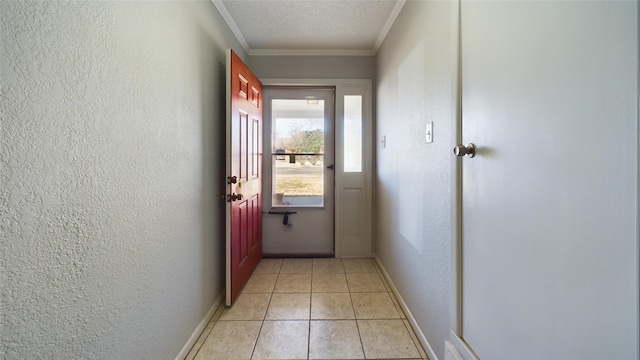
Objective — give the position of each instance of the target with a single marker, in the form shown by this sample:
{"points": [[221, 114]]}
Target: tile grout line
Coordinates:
{"points": [[207, 336], [255, 344], [404, 320], [410, 330], [355, 317]]}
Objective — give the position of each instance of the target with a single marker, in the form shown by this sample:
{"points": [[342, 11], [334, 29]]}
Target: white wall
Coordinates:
{"points": [[111, 164], [416, 73], [313, 67]]}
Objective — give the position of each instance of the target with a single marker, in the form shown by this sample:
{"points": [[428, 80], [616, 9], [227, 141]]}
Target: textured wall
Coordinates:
{"points": [[110, 168], [415, 85]]}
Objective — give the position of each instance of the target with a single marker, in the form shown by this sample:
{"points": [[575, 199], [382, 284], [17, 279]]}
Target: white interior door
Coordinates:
{"points": [[299, 171], [550, 246]]}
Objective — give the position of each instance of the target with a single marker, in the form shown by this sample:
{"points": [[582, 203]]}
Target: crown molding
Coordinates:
{"points": [[387, 26], [309, 52], [232, 24]]}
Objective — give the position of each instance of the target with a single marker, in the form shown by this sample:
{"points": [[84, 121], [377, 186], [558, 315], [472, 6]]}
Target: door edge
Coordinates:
{"points": [[455, 315], [227, 205]]}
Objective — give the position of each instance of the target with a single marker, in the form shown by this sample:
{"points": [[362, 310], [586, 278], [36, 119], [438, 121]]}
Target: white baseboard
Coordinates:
{"points": [[450, 352], [462, 348], [419, 334], [198, 331]]}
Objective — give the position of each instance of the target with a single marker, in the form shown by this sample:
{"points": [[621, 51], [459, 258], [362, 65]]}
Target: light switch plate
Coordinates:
{"points": [[428, 134]]}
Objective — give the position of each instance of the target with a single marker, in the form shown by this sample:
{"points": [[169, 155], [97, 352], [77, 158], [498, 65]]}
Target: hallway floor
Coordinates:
{"points": [[311, 309]]}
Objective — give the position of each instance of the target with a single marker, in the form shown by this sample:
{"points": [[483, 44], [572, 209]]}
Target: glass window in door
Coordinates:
{"points": [[298, 152]]}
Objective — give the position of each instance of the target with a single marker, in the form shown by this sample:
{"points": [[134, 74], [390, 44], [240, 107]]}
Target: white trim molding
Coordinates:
{"points": [[387, 26], [464, 351], [199, 329], [310, 52], [232, 24]]}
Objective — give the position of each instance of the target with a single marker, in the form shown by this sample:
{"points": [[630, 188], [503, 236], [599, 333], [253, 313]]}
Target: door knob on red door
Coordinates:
{"points": [[468, 150]]}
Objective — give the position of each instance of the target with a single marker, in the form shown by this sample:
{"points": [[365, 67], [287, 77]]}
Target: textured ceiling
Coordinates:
{"points": [[310, 27]]}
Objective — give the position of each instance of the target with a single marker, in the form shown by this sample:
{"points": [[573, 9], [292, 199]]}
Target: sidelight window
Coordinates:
{"points": [[353, 133]]}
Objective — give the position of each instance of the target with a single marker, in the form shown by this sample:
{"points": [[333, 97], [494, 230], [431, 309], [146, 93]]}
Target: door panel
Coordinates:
{"points": [[550, 254], [244, 166], [299, 137]]}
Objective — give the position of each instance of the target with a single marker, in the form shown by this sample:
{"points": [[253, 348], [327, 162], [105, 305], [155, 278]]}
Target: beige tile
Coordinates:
{"points": [[385, 283], [219, 310], [358, 266], [375, 264], [386, 339], [423, 354], [230, 340], [335, 339], [205, 333], [201, 339], [327, 266], [289, 307], [331, 306], [382, 277], [365, 282], [260, 283], [283, 340], [247, 307], [297, 266], [293, 283], [374, 306], [329, 283], [397, 305], [268, 266]]}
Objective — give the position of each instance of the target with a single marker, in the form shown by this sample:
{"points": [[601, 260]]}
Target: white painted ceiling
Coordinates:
{"points": [[310, 27]]}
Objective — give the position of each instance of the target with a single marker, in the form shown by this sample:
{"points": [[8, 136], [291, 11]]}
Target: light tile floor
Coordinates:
{"points": [[311, 309]]}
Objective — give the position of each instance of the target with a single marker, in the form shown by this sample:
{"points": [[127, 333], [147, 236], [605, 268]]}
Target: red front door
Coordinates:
{"points": [[244, 172]]}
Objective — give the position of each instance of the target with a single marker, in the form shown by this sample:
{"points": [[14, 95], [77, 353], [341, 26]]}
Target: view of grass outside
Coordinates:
{"points": [[299, 179]]}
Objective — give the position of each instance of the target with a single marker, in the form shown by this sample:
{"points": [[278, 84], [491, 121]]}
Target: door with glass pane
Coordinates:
{"points": [[298, 184]]}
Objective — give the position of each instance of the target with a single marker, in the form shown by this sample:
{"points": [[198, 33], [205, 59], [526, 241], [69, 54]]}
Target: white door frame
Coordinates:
{"points": [[312, 227], [344, 87]]}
